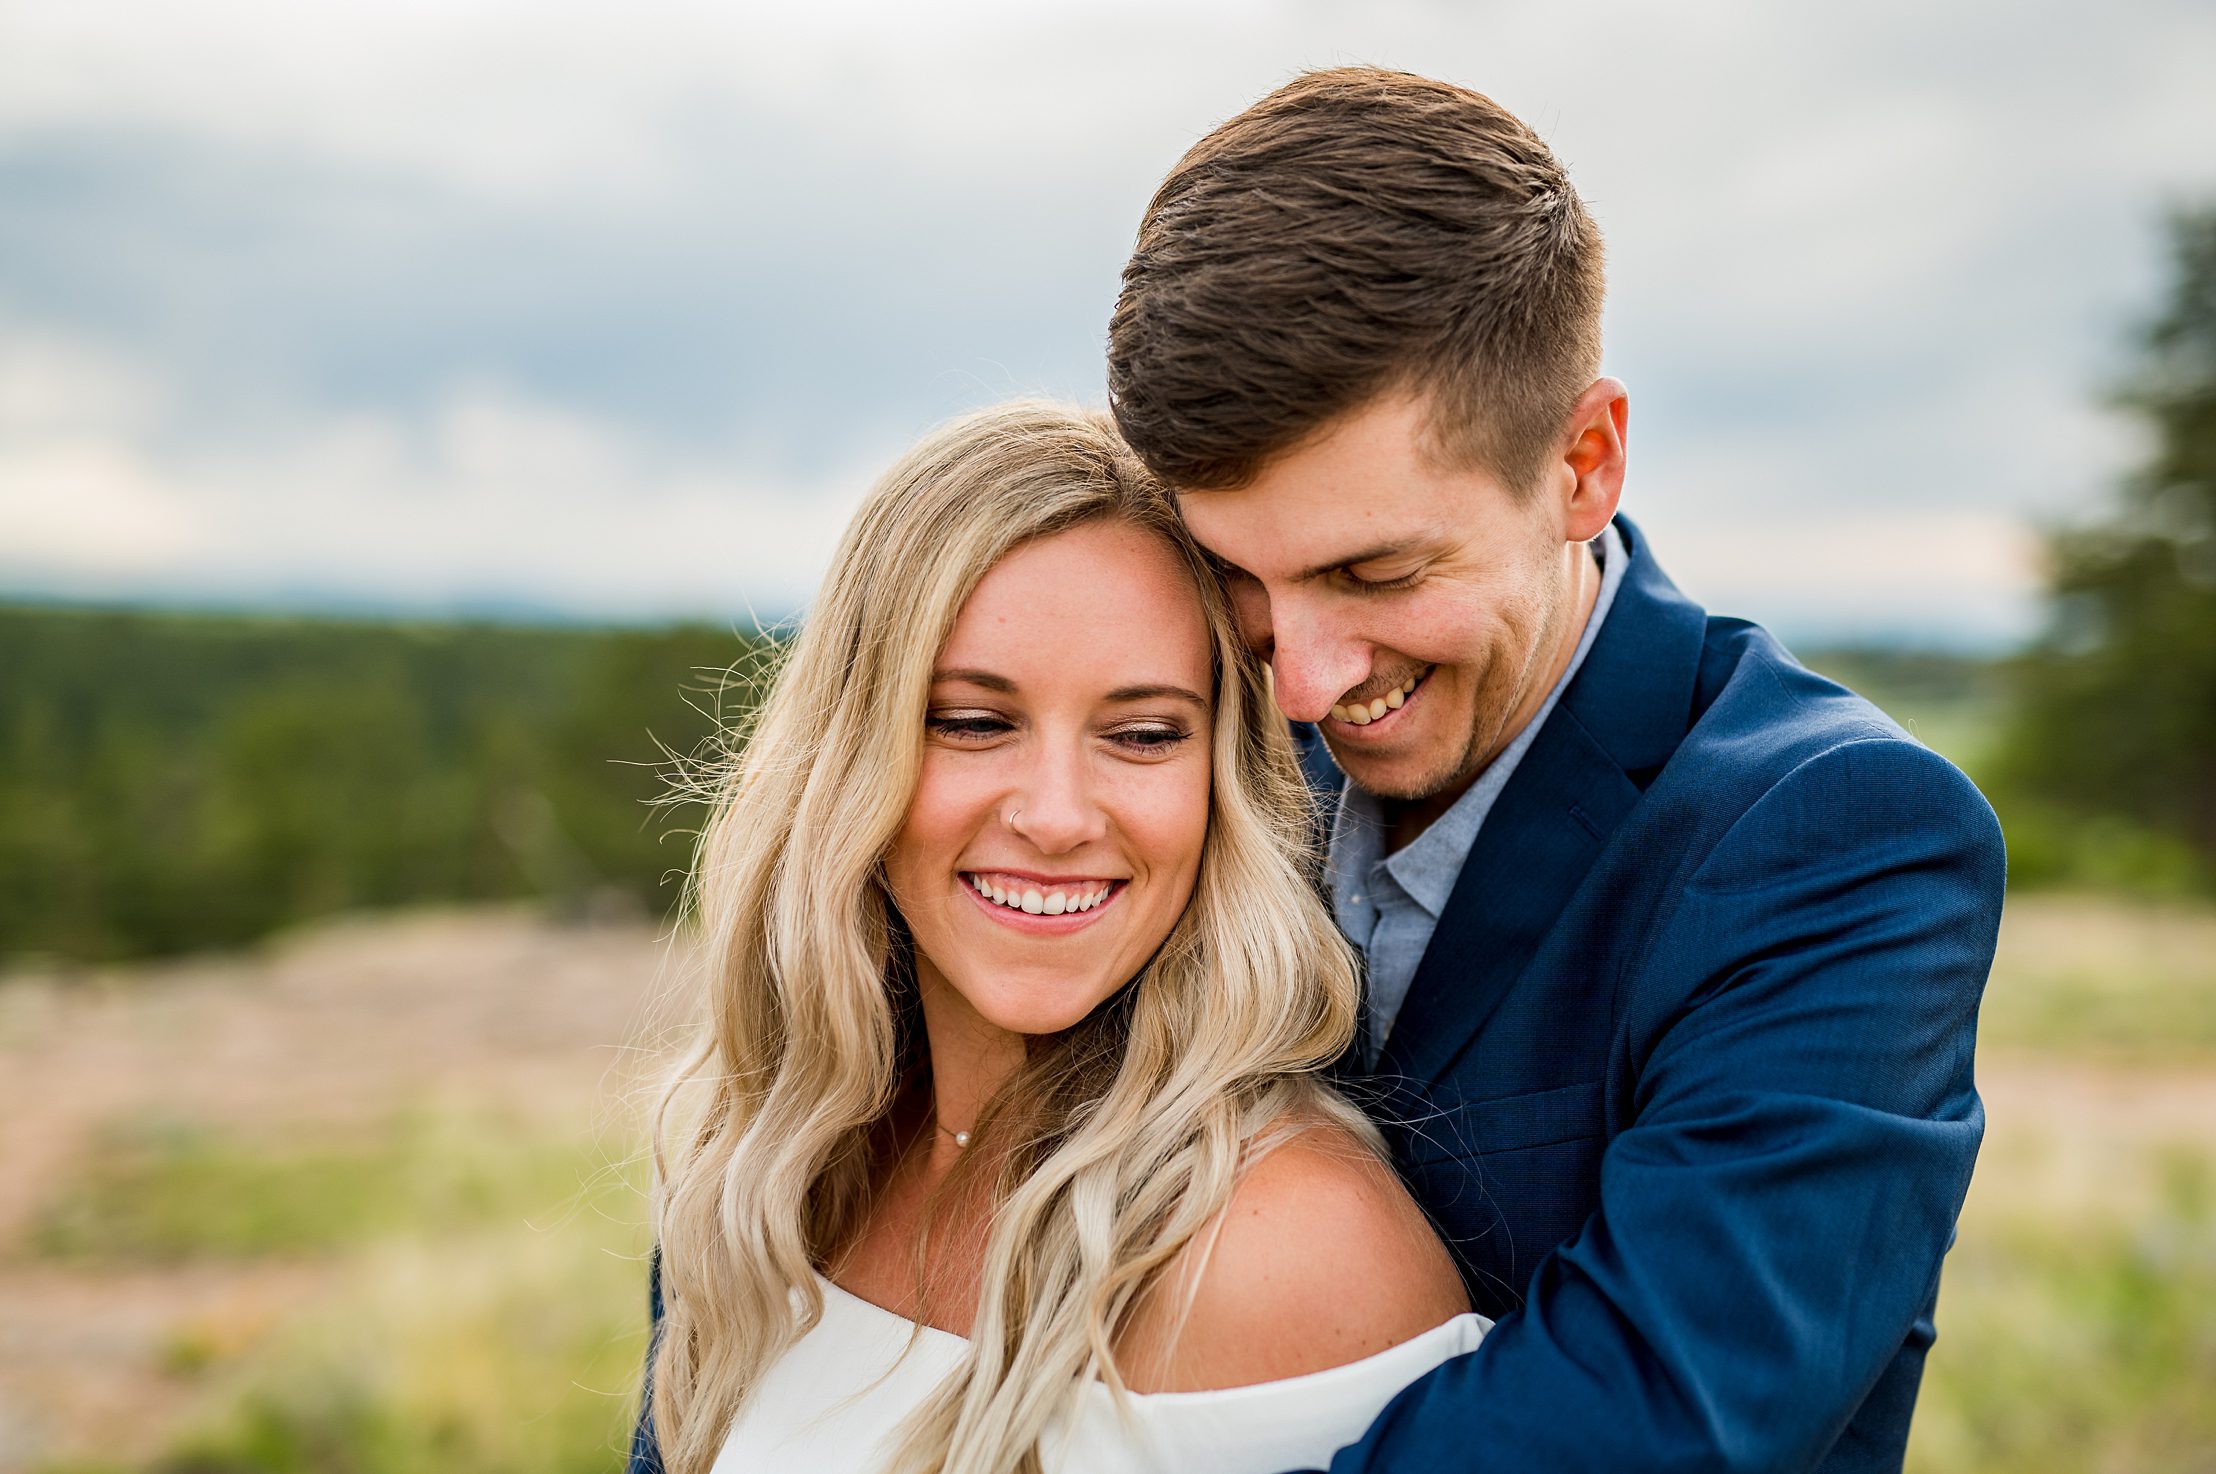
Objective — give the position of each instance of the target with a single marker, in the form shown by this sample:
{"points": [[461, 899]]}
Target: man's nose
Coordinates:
{"points": [[1312, 663], [1055, 808]]}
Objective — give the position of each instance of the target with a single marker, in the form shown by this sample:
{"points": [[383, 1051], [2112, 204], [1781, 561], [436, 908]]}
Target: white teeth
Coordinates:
{"points": [[1362, 713], [1037, 902]]}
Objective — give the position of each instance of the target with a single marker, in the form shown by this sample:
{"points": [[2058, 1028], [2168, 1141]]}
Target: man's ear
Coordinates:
{"points": [[1591, 473]]}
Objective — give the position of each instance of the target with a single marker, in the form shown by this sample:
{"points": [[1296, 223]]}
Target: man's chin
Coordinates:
{"points": [[1394, 778]]}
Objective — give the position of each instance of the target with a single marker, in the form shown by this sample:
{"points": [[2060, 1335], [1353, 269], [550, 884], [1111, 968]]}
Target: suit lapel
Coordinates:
{"points": [[1625, 712], [1541, 837]]}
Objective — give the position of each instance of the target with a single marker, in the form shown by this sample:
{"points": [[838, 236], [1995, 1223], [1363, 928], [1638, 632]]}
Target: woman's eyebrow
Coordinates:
{"points": [[984, 678], [988, 681], [1151, 693]]}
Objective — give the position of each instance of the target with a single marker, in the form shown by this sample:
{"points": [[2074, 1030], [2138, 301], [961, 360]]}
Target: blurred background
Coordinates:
{"points": [[410, 412]]}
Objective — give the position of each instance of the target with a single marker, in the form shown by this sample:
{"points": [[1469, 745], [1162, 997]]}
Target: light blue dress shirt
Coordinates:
{"points": [[1389, 904]]}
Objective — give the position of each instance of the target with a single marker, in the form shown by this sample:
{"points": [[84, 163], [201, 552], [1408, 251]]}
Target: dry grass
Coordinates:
{"points": [[2119, 982], [361, 1203], [210, 1162]]}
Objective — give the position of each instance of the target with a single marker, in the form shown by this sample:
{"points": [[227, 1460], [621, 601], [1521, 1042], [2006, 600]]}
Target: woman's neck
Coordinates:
{"points": [[919, 1248], [971, 1059]]}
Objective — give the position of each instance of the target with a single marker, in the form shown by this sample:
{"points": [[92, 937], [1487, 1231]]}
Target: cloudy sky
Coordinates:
{"points": [[613, 312]]}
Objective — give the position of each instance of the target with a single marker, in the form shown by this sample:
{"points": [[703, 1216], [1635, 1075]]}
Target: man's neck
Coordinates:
{"points": [[1406, 821]]}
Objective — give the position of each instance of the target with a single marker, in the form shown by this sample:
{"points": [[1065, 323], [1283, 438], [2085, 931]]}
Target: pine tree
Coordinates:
{"points": [[2118, 699]]}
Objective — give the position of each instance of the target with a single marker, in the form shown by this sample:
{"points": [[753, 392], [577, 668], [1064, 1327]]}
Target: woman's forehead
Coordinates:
{"points": [[1106, 604]]}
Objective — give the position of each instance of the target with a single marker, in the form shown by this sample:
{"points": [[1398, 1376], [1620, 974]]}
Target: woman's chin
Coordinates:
{"points": [[1036, 1020], [1044, 1005]]}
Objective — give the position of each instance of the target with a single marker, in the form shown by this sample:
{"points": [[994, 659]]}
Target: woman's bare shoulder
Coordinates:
{"points": [[1320, 1258]]}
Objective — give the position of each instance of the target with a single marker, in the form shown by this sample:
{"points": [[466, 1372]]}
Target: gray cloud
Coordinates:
{"points": [[343, 291]]}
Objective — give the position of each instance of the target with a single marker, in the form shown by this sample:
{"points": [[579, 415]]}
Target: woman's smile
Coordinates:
{"points": [[1043, 906]]}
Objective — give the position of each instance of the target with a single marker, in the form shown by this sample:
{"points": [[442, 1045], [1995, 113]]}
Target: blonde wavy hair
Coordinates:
{"points": [[1120, 1139]]}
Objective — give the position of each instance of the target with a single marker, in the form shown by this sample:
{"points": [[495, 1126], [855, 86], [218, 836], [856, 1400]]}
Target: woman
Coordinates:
{"points": [[1006, 1147]]}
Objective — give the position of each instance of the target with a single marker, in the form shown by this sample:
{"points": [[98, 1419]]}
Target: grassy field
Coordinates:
{"points": [[366, 1202], [363, 1201], [2077, 1314]]}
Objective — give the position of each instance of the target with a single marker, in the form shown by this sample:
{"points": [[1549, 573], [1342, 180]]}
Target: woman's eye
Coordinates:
{"points": [[1149, 739], [966, 725]]}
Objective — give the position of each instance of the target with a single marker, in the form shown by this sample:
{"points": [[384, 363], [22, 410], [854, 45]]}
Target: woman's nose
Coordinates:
{"points": [[1056, 808]]}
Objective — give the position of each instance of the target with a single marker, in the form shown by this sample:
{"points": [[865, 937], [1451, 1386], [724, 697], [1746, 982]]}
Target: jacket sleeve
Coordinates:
{"points": [[1797, 1145], [646, 1455]]}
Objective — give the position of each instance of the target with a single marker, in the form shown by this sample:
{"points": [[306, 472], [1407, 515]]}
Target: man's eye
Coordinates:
{"points": [[1363, 585], [961, 725]]}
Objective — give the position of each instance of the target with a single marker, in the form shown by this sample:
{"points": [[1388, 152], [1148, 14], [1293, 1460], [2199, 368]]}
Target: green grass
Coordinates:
{"points": [[495, 1353], [168, 1191], [2077, 1312], [2116, 981], [2079, 1344], [490, 1312]]}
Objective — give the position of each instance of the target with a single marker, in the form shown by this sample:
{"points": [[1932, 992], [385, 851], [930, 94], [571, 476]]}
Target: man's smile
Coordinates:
{"points": [[1379, 710]]}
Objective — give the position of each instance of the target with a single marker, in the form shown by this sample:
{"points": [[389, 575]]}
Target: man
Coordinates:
{"points": [[1674, 948]]}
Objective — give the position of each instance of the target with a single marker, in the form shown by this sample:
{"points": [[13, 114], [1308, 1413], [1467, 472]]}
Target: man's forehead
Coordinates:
{"points": [[1245, 529]]}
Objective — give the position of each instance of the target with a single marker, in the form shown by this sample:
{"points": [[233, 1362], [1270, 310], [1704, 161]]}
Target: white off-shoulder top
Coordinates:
{"points": [[832, 1402]]}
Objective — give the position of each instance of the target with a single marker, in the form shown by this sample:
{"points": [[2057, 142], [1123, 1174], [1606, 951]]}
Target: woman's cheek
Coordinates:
{"points": [[1174, 820]]}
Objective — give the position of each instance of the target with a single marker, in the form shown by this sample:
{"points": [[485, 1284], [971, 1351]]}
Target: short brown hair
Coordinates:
{"points": [[1356, 232]]}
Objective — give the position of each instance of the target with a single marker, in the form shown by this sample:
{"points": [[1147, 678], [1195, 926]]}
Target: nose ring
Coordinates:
{"points": [[1010, 821]]}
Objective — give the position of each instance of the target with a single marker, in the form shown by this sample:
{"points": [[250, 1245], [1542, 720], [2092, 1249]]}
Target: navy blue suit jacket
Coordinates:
{"points": [[1684, 1077]]}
